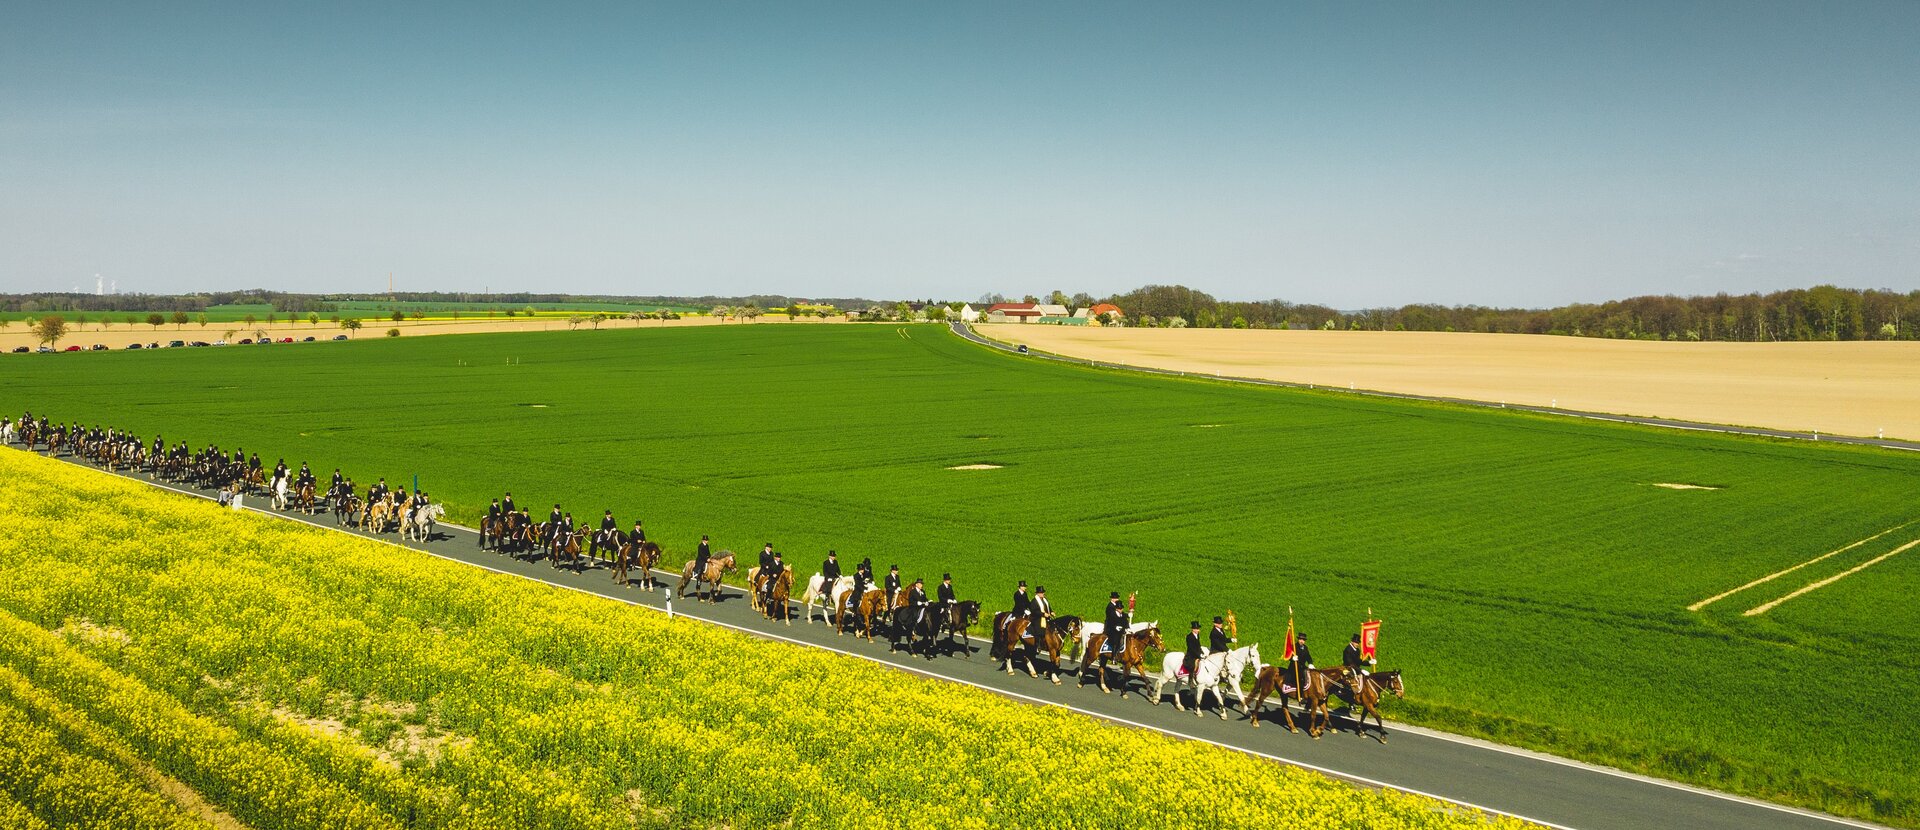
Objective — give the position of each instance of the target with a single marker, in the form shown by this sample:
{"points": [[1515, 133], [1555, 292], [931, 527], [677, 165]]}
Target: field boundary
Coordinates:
{"points": [[1362, 780], [967, 331]]}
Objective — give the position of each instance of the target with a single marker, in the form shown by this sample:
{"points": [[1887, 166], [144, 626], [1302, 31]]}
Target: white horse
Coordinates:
{"points": [[420, 527], [6, 433], [1212, 670], [818, 593], [280, 493]]}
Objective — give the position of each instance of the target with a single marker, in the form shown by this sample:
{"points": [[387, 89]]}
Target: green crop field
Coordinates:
{"points": [[1534, 581], [236, 312]]}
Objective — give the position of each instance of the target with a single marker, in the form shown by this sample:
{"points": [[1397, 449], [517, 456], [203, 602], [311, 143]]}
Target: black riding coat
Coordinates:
{"points": [[1020, 603], [1302, 657], [766, 559], [946, 593], [1217, 639], [917, 596], [830, 569], [893, 584], [1351, 657], [506, 505], [607, 524], [1192, 654], [1116, 617]]}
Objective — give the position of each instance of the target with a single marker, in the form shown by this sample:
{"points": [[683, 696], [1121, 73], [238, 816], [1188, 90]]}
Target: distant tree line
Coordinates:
{"points": [[1823, 312]]}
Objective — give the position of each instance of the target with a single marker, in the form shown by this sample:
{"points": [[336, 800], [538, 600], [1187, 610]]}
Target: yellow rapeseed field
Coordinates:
{"points": [[167, 663]]}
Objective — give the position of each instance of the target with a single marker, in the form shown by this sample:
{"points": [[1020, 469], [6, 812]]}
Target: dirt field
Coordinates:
{"points": [[1848, 388], [117, 336]]}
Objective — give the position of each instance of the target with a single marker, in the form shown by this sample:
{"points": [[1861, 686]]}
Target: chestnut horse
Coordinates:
{"points": [[872, 605], [777, 597], [1133, 658], [628, 553], [717, 565], [1316, 685]]}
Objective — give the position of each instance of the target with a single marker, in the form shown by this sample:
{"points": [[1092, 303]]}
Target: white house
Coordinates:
{"points": [[968, 314]]}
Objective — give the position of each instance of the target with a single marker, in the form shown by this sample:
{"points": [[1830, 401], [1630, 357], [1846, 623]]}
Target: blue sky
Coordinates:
{"points": [[1350, 154]]}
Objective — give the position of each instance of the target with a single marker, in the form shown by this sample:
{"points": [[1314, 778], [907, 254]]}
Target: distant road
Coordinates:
{"points": [[1540, 788], [966, 331]]}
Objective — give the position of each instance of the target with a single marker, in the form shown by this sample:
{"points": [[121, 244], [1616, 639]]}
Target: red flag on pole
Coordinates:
{"points": [[1288, 653], [1369, 638]]}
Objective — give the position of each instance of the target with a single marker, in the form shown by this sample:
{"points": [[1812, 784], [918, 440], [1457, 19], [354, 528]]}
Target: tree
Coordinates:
{"points": [[228, 337], [636, 316], [155, 320], [202, 319], [574, 320], [393, 332], [50, 329], [398, 315], [133, 320], [510, 313], [793, 310], [179, 319], [334, 319], [80, 323], [259, 334], [1058, 297], [421, 314], [749, 312], [937, 312], [4, 322], [597, 319], [272, 318], [722, 312], [249, 320], [1029, 299], [1083, 300], [351, 325], [528, 311]]}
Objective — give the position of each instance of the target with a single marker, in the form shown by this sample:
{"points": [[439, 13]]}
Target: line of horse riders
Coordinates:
{"points": [[856, 600]]}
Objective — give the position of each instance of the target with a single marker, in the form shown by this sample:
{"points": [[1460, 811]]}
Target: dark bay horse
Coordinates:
{"points": [[1363, 693], [642, 555], [1316, 685]]}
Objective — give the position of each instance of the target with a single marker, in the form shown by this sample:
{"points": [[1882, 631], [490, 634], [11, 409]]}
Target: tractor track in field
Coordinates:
{"points": [[966, 331], [1537, 787]]}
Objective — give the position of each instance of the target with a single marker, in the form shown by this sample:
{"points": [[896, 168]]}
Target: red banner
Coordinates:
{"points": [[1369, 638], [1288, 654]]}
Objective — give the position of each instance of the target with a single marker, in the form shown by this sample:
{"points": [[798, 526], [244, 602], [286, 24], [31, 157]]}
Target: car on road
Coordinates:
{"points": [[1023, 350], [45, 350], [264, 341], [132, 346], [73, 348], [246, 341], [175, 344], [339, 337], [21, 350], [286, 340], [203, 343], [307, 339], [99, 347]]}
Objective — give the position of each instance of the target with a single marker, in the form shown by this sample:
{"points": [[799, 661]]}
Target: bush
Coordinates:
{"points": [[393, 332]]}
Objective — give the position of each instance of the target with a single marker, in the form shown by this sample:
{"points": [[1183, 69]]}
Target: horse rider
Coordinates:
{"points": [[566, 529], [917, 601], [420, 501], [604, 539], [947, 601], [338, 479], [506, 504], [1020, 604], [893, 584], [1190, 659], [1217, 640], [377, 492], [862, 577], [1115, 627], [553, 526], [1357, 666], [493, 517], [766, 557], [253, 463], [701, 556], [1302, 659], [830, 571], [769, 575], [1039, 611]]}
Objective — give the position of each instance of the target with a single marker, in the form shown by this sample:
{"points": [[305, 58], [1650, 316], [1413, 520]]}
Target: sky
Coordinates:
{"points": [[1351, 154]]}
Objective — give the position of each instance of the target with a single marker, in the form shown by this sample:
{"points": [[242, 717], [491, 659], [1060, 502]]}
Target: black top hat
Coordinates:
{"points": [[946, 577], [1113, 595], [1039, 589], [1195, 624], [1023, 583], [919, 581], [1217, 620], [1356, 638], [893, 567], [832, 555]]}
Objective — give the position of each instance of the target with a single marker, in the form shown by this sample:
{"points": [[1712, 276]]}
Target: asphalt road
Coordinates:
{"points": [[1533, 786], [967, 332]]}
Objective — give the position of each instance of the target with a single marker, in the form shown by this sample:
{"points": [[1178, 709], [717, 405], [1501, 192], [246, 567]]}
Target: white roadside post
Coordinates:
{"points": [[669, 602]]}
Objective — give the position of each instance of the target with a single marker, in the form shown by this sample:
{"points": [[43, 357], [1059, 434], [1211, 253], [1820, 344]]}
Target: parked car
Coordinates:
{"points": [[175, 344], [99, 347], [73, 348], [201, 343], [132, 346], [246, 341], [339, 337], [21, 350], [45, 350], [307, 339], [264, 341], [286, 340], [153, 345]]}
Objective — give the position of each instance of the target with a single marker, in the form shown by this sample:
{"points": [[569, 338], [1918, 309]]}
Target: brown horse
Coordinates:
{"points": [[345, 509], [754, 584], [872, 605], [777, 597], [642, 555], [1007, 636], [1316, 685], [717, 566], [569, 547], [1133, 658], [303, 499], [1364, 692]]}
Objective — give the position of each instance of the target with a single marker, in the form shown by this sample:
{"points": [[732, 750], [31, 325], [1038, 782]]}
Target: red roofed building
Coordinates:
{"points": [[1013, 313]]}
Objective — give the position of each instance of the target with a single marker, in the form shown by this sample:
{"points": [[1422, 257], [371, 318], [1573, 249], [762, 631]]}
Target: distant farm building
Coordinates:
{"points": [[968, 314], [1013, 313]]}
